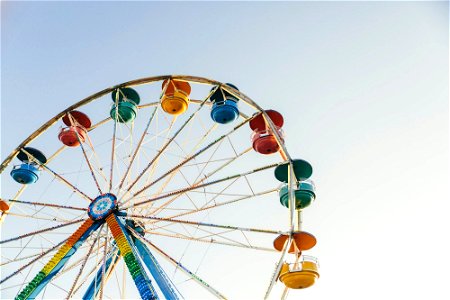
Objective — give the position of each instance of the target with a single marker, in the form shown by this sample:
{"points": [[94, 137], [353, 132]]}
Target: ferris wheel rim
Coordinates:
{"points": [[138, 82]]}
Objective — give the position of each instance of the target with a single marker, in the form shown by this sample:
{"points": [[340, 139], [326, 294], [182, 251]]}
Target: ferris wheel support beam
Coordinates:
{"points": [[58, 261], [197, 279], [83, 264], [94, 288], [155, 269], [128, 252], [32, 261]]}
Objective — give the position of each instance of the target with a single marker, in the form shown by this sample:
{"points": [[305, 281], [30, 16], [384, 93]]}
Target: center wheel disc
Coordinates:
{"points": [[102, 206]]}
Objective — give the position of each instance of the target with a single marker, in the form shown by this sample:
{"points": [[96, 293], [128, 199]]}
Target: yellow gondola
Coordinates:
{"points": [[300, 275], [175, 99]]}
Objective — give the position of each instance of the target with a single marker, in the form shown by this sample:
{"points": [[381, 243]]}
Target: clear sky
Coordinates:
{"points": [[363, 87]]}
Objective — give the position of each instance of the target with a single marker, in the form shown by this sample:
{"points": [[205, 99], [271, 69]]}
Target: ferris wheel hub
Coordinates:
{"points": [[102, 206]]}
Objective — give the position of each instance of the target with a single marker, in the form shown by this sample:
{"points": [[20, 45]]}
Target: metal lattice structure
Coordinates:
{"points": [[172, 166]]}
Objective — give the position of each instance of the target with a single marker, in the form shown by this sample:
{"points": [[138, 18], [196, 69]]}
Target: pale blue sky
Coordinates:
{"points": [[363, 87]]}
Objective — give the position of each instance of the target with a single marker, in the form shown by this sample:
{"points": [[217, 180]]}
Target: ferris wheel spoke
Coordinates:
{"points": [[207, 224], [190, 274], [210, 235], [220, 193], [62, 179], [59, 287], [64, 147], [188, 235], [80, 142], [83, 281], [191, 158], [99, 169], [208, 161], [85, 278], [212, 154], [245, 177], [153, 164], [111, 263], [89, 164], [27, 216], [103, 268], [17, 259], [209, 241], [164, 147], [184, 190], [41, 214], [219, 204], [179, 170], [141, 140], [113, 143], [40, 231], [45, 204], [198, 181]]}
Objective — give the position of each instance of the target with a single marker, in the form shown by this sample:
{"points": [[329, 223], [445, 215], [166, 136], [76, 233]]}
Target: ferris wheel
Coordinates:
{"points": [[161, 187]]}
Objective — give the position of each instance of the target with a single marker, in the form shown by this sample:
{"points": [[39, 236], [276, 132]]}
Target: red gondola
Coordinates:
{"points": [[263, 139], [78, 123]]}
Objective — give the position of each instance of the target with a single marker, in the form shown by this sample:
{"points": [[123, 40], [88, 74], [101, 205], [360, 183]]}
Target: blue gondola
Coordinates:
{"points": [[225, 108], [28, 172]]}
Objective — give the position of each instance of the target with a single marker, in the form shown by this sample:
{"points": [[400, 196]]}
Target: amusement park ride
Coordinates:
{"points": [[125, 208]]}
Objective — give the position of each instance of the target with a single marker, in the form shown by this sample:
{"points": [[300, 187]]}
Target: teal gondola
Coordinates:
{"points": [[127, 101], [304, 194]]}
